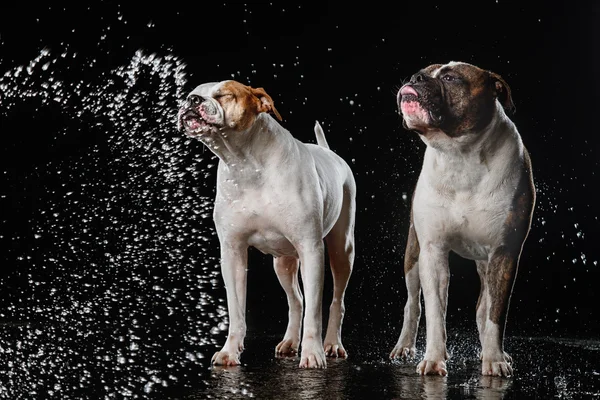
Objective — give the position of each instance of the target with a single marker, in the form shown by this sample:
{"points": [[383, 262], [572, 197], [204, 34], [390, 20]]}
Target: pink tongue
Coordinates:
{"points": [[408, 90]]}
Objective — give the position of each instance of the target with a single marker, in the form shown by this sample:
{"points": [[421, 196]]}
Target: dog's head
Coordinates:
{"points": [[223, 106], [456, 98]]}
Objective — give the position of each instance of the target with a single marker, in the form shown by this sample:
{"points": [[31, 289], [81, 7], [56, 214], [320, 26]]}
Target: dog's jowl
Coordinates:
{"points": [[284, 198], [474, 196]]}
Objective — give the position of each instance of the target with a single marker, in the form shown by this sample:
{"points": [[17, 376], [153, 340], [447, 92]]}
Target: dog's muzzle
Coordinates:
{"points": [[421, 97], [209, 108], [198, 115]]}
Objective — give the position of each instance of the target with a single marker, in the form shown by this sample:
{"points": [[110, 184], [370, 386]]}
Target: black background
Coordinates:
{"points": [[341, 64]]}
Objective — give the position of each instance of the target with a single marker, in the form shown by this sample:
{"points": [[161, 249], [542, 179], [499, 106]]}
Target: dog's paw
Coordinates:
{"points": [[287, 347], [403, 352], [225, 358], [312, 355], [430, 367], [499, 365], [313, 360], [335, 350], [507, 358]]}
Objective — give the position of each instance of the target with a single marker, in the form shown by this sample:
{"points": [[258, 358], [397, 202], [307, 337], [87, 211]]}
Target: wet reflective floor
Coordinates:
{"points": [[65, 362], [544, 368]]}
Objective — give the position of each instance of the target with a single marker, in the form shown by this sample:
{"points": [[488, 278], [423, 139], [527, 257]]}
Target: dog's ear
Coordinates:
{"points": [[502, 92], [266, 102]]}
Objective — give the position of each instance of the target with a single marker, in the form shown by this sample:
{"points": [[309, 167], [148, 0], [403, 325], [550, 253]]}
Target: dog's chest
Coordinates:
{"points": [[257, 219], [463, 208]]}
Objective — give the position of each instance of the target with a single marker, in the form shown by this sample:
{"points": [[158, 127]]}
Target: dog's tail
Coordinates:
{"points": [[321, 141]]}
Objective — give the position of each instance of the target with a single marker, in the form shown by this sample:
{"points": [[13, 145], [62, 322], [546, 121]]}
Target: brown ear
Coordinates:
{"points": [[502, 92], [266, 102]]}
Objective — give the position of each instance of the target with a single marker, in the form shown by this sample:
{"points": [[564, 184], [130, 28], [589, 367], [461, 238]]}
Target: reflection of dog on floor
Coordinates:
{"points": [[282, 197], [475, 196]]}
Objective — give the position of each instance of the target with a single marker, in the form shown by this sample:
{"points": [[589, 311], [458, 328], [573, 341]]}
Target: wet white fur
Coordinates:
{"points": [[283, 197]]}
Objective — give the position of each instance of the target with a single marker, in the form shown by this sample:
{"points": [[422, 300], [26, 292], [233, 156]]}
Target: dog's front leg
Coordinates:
{"points": [[312, 267], [234, 262], [406, 345], [433, 273]]}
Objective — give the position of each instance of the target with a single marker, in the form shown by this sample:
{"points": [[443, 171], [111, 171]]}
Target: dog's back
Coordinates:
{"points": [[334, 175]]}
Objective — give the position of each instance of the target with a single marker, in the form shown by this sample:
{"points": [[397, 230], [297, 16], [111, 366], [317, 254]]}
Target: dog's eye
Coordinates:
{"points": [[449, 78], [223, 95]]}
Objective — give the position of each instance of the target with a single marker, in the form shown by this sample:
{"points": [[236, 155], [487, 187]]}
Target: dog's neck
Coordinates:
{"points": [[252, 149], [469, 158], [475, 144]]}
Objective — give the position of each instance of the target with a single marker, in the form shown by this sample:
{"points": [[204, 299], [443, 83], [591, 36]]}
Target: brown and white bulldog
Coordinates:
{"points": [[283, 197], [475, 196]]}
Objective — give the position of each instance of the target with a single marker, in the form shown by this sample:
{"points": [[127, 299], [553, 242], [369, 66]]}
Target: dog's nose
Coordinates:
{"points": [[418, 77], [195, 99]]}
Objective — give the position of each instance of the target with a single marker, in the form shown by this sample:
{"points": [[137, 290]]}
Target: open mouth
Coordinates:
{"points": [[194, 124], [410, 101], [418, 107]]}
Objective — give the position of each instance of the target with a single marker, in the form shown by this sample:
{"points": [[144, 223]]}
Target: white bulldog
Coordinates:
{"points": [[282, 197]]}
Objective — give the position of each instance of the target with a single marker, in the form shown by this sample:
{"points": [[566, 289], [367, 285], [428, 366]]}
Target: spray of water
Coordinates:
{"points": [[123, 251]]}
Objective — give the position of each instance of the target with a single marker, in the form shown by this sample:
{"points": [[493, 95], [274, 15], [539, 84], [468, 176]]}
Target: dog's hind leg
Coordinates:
{"points": [[406, 345], [497, 281], [286, 269], [483, 315], [483, 301], [499, 276], [340, 247]]}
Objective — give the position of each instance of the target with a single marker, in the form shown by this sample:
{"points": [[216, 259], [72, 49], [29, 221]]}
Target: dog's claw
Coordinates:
{"points": [[430, 367], [497, 366], [497, 369], [335, 350], [225, 358], [402, 352], [313, 361], [312, 355], [287, 347]]}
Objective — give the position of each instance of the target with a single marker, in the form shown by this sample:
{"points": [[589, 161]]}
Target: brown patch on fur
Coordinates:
{"points": [[243, 103], [469, 101], [429, 69], [469, 71], [483, 159], [481, 272], [501, 276], [482, 80], [479, 102], [266, 101], [502, 91], [411, 254], [505, 260], [240, 106], [519, 218]]}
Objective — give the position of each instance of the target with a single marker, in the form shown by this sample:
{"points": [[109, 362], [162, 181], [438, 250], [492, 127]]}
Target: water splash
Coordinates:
{"points": [[117, 292]]}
